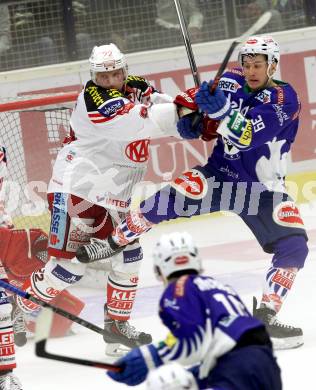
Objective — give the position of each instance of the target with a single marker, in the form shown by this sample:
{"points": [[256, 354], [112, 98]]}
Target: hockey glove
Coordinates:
{"points": [[136, 365], [216, 105], [185, 102], [204, 127], [185, 129]]}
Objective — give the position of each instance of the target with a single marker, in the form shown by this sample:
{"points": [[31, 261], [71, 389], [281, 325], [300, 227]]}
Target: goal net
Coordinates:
{"points": [[32, 129]]}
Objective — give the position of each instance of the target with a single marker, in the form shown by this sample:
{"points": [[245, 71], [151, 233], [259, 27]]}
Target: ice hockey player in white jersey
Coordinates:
{"points": [[93, 178]]}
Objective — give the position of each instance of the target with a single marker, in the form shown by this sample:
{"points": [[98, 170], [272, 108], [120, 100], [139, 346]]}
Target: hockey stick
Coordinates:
{"points": [[54, 309], [261, 22], [43, 326], [187, 43]]}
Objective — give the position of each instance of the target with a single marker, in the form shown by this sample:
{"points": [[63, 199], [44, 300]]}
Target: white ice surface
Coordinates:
{"points": [[231, 254]]}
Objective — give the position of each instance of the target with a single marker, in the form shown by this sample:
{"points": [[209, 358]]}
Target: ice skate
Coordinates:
{"points": [[283, 336], [98, 250], [8, 381], [121, 332], [18, 324]]}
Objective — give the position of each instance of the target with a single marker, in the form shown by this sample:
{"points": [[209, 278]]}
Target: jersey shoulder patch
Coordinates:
{"points": [[232, 80], [285, 94]]}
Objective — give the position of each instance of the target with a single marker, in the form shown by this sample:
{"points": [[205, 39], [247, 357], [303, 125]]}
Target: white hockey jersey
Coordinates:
{"points": [[109, 150]]}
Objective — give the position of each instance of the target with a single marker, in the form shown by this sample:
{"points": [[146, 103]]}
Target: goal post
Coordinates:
{"points": [[32, 129]]}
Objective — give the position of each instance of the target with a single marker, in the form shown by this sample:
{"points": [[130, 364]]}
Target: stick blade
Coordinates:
{"points": [[43, 324], [261, 22]]}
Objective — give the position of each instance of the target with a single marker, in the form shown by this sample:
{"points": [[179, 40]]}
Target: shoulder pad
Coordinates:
{"points": [[96, 96], [237, 71], [137, 82]]}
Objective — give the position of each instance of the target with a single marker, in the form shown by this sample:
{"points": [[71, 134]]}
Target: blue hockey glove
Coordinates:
{"points": [[136, 365], [185, 128], [216, 105]]}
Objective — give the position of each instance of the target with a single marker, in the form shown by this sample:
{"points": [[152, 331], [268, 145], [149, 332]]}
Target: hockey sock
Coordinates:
{"points": [[278, 283], [134, 225], [7, 349], [120, 298]]}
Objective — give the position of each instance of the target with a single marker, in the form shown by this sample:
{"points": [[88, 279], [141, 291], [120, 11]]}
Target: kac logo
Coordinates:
{"points": [[138, 151]]}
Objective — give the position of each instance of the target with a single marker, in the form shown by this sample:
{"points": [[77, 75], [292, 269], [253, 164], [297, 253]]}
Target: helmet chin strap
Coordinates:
{"points": [[269, 75]]}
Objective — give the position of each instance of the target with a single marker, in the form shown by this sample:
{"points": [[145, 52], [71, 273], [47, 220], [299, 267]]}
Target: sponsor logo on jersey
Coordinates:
{"points": [[281, 115], [114, 202], [3, 297], [230, 151], [70, 156], [111, 107], [230, 85], [132, 255], [64, 275], [80, 231], [191, 184], [180, 286], [236, 122], [138, 151], [51, 292], [287, 214], [280, 95], [172, 303], [264, 96], [246, 136], [236, 71], [58, 220], [134, 279]]}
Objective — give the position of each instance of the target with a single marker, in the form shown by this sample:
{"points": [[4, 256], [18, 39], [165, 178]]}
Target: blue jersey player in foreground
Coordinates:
{"points": [[257, 118], [211, 331]]}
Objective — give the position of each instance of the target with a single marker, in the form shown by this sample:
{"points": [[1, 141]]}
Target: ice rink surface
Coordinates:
{"points": [[229, 253]]}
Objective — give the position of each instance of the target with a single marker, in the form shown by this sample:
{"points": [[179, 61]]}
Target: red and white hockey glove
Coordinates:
{"points": [[185, 102]]}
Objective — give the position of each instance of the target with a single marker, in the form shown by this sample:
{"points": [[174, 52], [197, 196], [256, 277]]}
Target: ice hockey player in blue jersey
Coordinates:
{"points": [[211, 329], [257, 118]]}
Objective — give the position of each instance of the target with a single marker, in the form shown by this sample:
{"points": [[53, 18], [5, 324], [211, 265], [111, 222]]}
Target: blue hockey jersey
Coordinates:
{"points": [[273, 113], [206, 320]]}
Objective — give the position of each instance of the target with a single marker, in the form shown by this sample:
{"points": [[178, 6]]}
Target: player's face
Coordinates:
{"points": [[255, 71], [111, 80]]}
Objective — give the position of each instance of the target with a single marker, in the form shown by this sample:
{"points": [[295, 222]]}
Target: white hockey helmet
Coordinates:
{"points": [[171, 376], [175, 252], [106, 58], [261, 45]]}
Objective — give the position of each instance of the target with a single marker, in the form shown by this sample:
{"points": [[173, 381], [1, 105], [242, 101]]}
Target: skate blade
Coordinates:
{"points": [[116, 350], [287, 343]]}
